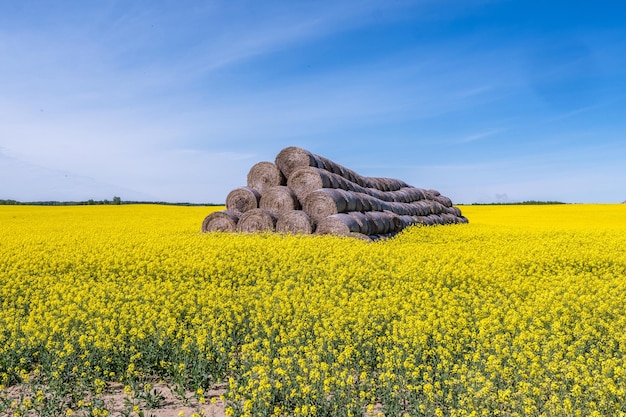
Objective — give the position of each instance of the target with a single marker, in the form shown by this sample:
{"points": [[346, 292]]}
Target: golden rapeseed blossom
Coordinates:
{"points": [[519, 312]]}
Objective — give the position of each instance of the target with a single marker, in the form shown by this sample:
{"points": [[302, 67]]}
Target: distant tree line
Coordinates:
{"points": [[528, 202], [116, 201]]}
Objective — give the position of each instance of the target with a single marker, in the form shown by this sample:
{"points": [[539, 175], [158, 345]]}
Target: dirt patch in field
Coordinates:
{"points": [[172, 405], [117, 403]]}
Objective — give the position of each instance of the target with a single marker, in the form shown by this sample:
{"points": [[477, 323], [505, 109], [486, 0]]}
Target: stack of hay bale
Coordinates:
{"points": [[304, 193]]}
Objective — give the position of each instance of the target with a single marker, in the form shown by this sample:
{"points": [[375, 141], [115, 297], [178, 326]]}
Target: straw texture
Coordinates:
{"points": [[264, 175], [220, 221], [295, 222], [242, 199], [257, 220], [279, 199]]}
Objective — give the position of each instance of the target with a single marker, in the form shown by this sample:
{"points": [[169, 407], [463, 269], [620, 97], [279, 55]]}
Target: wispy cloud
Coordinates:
{"points": [[179, 102], [478, 136]]}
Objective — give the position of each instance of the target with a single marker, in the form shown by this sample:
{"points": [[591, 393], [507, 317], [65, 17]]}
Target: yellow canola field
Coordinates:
{"points": [[518, 313]]}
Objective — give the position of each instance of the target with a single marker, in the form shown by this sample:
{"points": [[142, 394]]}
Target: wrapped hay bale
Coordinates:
{"points": [[264, 175], [444, 201], [383, 184], [220, 221], [307, 179], [294, 222], [423, 207], [408, 195], [384, 222], [408, 220], [341, 224], [326, 201], [257, 220], [436, 219], [242, 199], [292, 158], [279, 199], [364, 222], [454, 210], [448, 218], [374, 224], [360, 236]]}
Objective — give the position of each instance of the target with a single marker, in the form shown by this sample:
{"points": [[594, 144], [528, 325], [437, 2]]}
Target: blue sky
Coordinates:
{"points": [[485, 101]]}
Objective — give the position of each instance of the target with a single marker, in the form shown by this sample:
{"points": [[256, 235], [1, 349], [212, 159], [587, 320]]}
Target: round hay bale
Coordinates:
{"points": [[429, 220], [417, 220], [304, 180], [384, 184], [399, 208], [360, 236], [325, 202], [424, 207], [294, 222], [279, 199], [454, 210], [385, 236], [372, 182], [257, 220], [350, 175], [362, 202], [412, 194], [400, 196], [376, 222], [292, 158], [438, 207], [395, 221], [371, 203], [363, 221], [448, 218], [430, 206], [340, 224], [220, 221], [324, 163], [354, 201], [436, 219], [264, 175], [412, 220], [444, 201], [242, 199]]}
